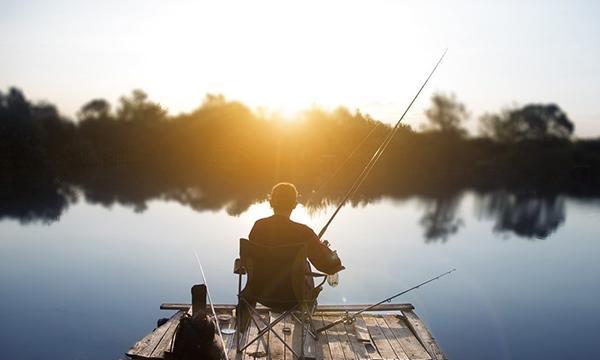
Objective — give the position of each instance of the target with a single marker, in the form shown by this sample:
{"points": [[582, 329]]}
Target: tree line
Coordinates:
{"points": [[226, 147]]}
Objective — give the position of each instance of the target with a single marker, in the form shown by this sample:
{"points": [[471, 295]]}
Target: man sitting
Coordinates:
{"points": [[278, 229]]}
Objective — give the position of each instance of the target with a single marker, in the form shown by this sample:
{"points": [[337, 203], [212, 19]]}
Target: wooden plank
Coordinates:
{"points": [[145, 346], [335, 346], [340, 330], [338, 334], [381, 343], [419, 328], [389, 335], [323, 342], [358, 346], [369, 346], [165, 346], [276, 347], [320, 308], [411, 345], [360, 329]]}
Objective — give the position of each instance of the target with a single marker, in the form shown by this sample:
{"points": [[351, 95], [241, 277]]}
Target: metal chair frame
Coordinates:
{"points": [[301, 312]]}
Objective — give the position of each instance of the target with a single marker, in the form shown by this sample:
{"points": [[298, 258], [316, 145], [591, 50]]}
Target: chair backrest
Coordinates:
{"points": [[276, 274]]}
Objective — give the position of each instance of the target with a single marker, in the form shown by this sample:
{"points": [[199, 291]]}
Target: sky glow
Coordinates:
{"points": [[288, 56]]}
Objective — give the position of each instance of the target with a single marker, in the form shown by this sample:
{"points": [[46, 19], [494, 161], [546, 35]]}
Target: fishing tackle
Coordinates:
{"points": [[367, 169], [347, 319]]}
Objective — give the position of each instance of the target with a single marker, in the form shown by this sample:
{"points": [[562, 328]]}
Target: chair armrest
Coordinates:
{"points": [[315, 274], [238, 267]]}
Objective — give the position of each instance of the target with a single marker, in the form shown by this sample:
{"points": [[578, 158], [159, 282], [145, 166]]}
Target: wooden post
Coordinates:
{"points": [[198, 302]]}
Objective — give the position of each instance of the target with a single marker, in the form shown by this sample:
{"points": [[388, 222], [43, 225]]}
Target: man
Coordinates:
{"points": [[278, 229]]}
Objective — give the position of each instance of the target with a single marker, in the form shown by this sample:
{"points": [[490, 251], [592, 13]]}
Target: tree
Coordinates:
{"points": [[447, 115], [137, 108], [96, 109], [531, 122]]}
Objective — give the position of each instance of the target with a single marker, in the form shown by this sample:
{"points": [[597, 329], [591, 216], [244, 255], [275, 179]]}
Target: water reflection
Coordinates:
{"points": [[526, 215], [440, 220], [31, 201]]}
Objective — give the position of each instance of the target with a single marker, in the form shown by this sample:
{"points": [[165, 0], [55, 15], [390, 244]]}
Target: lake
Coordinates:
{"points": [[88, 283]]}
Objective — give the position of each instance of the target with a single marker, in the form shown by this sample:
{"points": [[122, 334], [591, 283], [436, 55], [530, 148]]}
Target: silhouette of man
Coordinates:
{"points": [[278, 229]]}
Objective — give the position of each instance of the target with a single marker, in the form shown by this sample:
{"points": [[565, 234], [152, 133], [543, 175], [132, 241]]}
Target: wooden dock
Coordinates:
{"points": [[391, 331]]}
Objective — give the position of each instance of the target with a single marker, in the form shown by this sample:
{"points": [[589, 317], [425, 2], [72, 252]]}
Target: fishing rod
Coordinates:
{"points": [[342, 165], [349, 318], [212, 307], [367, 169]]}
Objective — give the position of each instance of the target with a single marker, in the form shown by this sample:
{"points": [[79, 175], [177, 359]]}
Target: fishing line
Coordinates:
{"points": [[349, 318], [342, 165], [211, 305], [367, 169]]}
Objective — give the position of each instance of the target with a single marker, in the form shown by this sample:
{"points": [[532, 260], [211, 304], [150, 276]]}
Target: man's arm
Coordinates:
{"points": [[321, 256]]}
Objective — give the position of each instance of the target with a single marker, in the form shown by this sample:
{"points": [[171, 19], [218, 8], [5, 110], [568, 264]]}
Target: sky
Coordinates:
{"points": [[288, 56]]}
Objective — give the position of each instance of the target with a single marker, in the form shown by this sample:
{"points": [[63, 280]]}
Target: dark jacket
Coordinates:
{"points": [[279, 230]]}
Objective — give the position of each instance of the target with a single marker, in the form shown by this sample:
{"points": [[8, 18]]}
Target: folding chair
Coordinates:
{"points": [[276, 278]]}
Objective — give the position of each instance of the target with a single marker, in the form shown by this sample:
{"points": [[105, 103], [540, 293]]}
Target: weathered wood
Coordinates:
{"points": [[372, 336], [343, 337], [335, 346], [360, 328], [389, 335], [383, 346], [323, 342], [338, 341], [419, 328], [145, 346], [165, 346], [276, 347], [358, 346], [320, 308], [412, 347]]}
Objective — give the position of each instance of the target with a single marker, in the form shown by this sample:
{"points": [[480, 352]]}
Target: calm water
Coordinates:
{"points": [[89, 285]]}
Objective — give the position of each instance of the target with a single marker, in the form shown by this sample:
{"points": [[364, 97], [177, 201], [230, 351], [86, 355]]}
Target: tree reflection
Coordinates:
{"points": [[440, 220], [34, 200], [525, 215]]}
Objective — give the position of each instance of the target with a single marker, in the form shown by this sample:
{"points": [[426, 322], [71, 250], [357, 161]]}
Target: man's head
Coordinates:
{"points": [[283, 198]]}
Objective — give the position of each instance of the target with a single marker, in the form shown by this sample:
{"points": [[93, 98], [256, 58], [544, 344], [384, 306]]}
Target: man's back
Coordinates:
{"points": [[279, 230]]}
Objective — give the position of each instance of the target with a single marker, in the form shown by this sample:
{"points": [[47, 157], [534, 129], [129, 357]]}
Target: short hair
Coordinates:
{"points": [[283, 196]]}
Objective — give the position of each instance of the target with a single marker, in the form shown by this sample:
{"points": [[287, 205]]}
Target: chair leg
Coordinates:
{"points": [[303, 341], [269, 327], [238, 327]]}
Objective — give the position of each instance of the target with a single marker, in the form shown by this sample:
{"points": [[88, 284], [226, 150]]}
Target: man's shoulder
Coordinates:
{"points": [[302, 227], [266, 220], [275, 220]]}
